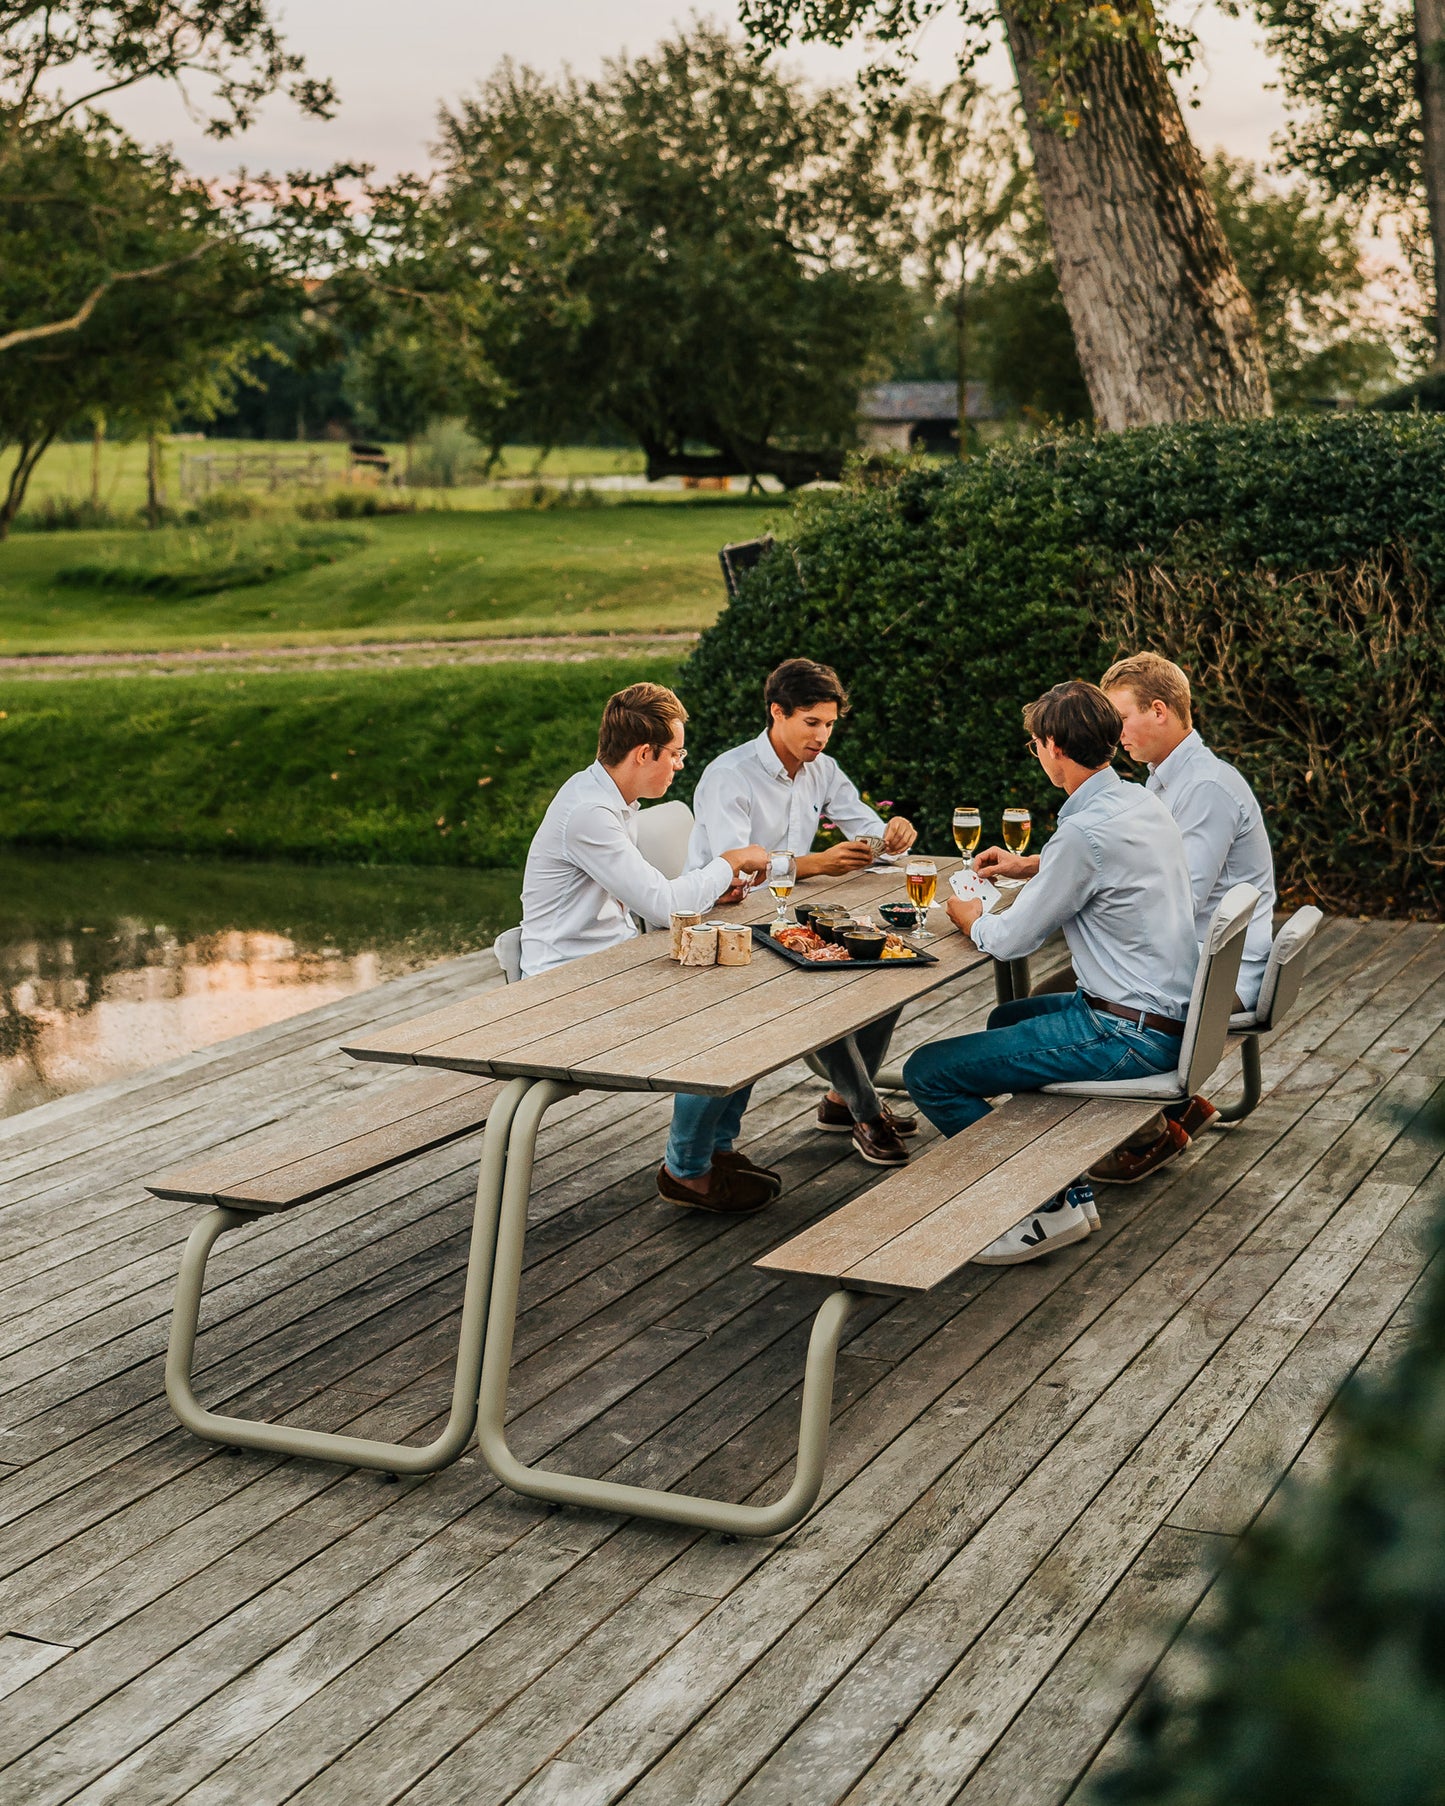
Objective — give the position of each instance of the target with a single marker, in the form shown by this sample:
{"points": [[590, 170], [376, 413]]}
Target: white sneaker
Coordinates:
{"points": [[1082, 1194], [1055, 1225]]}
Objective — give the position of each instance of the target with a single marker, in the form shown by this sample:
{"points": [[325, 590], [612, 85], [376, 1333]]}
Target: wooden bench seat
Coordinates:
{"points": [[322, 1150], [933, 1216]]}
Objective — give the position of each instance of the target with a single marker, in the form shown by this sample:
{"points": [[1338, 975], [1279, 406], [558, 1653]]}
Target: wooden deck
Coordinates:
{"points": [[1036, 1471]]}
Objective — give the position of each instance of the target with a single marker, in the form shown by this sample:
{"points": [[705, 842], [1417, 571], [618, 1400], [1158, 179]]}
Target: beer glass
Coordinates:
{"points": [[921, 877], [967, 826], [1017, 824], [782, 876]]}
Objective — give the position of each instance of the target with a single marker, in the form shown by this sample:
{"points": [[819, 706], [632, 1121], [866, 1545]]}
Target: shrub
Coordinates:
{"points": [[445, 455], [66, 514], [1291, 565], [550, 496]]}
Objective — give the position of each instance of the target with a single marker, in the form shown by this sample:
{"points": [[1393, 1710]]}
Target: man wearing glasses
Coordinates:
{"points": [[776, 789], [584, 875], [1115, 879]]}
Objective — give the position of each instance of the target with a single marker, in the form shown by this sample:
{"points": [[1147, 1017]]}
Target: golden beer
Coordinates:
{"points": [[1017, 824], [967, 827], [921, 886], [781, 887]]}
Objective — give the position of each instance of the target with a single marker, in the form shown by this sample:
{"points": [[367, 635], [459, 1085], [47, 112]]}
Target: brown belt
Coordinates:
{"points": [[1166, 1025]]}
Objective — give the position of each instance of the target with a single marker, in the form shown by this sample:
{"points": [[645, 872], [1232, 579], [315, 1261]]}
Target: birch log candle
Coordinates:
{"points": [[699, 947], [734, 946], [678, 923]]}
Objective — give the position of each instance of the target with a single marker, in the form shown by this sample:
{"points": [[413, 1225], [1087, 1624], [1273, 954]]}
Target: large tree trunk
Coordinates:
{"points": [[1430, 85], [1163, 325]]}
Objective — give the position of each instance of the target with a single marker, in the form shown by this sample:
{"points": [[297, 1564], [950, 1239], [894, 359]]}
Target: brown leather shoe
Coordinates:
{"points": [[834, 1119], [1126, 1165], [1193, 1116], [878, 1142], [734, 1162], [730, 1194]]}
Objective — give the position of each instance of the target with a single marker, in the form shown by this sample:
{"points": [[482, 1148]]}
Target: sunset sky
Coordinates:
{"points": [[394, 64]]}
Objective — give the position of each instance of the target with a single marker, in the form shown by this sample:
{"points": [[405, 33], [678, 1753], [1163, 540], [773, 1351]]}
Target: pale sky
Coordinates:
{"points": [[394, 63]]}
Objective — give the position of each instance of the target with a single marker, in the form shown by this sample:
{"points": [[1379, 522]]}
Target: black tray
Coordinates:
{"points": [[920, 958]]}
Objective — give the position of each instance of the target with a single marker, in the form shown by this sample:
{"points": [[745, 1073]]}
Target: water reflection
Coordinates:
{"points": [[108, 966]]}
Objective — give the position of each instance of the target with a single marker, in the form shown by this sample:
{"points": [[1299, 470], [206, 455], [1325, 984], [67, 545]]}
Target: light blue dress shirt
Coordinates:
{"points": [[745, 796], [1114, 878], [1225, 843]]}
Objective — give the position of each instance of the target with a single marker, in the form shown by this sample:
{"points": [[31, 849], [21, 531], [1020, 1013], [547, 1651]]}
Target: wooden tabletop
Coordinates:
{"points": [[632, 1019]]}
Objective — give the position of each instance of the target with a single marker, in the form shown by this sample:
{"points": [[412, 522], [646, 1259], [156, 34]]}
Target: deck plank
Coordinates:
{"points": [[233, 1625]]}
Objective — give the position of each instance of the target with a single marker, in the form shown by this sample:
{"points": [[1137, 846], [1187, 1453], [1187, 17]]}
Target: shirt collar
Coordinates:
{"points": [[607, 784], [1107, 779], [1179, 760], [768, 757]]}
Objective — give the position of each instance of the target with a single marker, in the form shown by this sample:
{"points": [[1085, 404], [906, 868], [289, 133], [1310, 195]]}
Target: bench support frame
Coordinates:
{"points": [[1253, 1082], [484, 1359]]}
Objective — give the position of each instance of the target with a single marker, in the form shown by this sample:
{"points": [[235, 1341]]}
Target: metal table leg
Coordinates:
{"points": [[608, 1495], [355, 1451]]}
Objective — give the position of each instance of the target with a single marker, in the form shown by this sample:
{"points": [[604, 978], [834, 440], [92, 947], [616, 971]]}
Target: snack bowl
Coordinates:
{"points": [[804, 912], [901, 917], [830, 924], [863, 943]]}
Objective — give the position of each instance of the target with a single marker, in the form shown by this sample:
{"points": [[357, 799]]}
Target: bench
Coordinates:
{"points": [[930, 1219]]}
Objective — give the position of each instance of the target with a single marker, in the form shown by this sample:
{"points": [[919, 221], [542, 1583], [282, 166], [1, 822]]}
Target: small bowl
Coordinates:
{"points": [[831, 924], [863, 943], [804, 912], [902, 918]]}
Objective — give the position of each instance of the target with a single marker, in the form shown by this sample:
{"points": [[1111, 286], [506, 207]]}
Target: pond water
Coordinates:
{"points": [[110, 965]]}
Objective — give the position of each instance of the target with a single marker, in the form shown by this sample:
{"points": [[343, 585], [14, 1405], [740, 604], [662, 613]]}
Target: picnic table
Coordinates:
{"points": [[631, 1019]]}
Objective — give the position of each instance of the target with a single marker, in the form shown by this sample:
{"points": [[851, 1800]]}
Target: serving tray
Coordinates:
{"points": [[920, 958]]}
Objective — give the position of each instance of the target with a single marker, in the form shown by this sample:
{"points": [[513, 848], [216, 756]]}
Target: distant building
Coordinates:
{"points": [[919, 416]]}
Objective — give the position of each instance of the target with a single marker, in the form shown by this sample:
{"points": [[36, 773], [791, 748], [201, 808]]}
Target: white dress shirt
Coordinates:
{"points": [[1115, 880], [584, 873], [1225, 843], [746, 796]]}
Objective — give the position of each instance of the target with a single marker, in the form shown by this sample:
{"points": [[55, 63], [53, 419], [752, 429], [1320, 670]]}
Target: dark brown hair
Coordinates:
{"points": [[640, 715], [1079, 719], [801, 683]]}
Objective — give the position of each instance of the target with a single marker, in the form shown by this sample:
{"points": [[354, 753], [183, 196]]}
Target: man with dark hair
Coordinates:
{"points": [[584, 874], [775, 790], [1114, 878]]}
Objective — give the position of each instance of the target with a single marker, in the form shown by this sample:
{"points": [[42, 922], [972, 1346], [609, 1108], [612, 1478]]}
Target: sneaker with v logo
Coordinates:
{"points": [[1057, 1224]]}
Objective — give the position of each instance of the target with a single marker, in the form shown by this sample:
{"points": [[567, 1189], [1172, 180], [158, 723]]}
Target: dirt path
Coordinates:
{"points": [[362, 655]]}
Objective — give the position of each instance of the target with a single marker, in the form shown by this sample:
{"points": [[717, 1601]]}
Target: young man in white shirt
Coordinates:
{"points": [[583, 876], [1225, 843], [1115, 880], [775, 790]]}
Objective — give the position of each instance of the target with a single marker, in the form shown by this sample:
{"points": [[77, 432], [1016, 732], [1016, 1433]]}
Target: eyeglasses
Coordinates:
{"points": [[679, 759], [1031, 743]]}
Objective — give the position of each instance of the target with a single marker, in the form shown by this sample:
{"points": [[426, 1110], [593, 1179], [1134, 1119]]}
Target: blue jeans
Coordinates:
{"points": [[702, 1127], [1030, 1042]]}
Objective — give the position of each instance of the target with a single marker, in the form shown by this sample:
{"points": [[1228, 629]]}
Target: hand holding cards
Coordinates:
{"points": [[970, 887]]}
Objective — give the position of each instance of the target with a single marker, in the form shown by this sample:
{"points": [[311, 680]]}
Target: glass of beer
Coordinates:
{"points": [[782, 876], [967, 826], [921, 877], [1017, 824]]}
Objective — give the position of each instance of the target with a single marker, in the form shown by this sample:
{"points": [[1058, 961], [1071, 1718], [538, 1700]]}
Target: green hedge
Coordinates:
{"points": [[1292, 565]]}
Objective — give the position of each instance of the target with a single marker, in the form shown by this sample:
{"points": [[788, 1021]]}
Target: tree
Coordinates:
{"points": [[1368, 86], [1162, 322], [727, 258], [140, 352], [1300, 261]]}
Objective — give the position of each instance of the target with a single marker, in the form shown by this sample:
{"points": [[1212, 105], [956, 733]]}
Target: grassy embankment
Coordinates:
{"points": [[635, 567], [419, 766]]}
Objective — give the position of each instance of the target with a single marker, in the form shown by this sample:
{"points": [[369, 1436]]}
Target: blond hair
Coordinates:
{"points": [[1149, 678], [640, 715]]}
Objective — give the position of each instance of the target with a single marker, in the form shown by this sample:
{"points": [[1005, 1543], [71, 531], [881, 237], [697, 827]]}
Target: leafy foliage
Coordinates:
{"points": [[1323, 1677], [727, 251], [1291, 564]]}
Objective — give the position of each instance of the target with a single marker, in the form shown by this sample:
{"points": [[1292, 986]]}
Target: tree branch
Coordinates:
{"points": [[25, 335]]}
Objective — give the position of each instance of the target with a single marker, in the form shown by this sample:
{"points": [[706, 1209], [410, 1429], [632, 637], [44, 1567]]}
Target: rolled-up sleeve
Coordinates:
{"points": [[1067, 877], [597, 842]]}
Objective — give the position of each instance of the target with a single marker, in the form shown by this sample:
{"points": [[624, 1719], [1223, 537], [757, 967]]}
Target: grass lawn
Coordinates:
{"points": [[64, 471], [449, 766], [628, 567]]}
